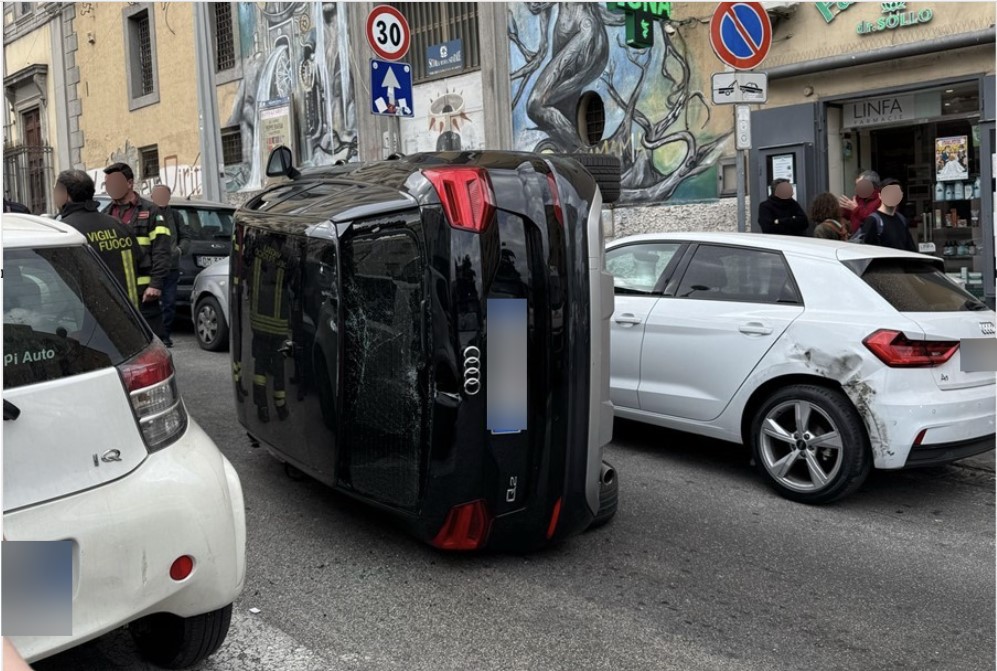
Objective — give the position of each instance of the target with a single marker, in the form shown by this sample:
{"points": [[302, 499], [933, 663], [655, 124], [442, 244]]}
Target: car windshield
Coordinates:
{"points": [[918, 286], [206, 224], [63, 315]]}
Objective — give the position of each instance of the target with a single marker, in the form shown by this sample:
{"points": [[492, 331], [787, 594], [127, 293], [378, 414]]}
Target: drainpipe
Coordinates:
{"points": [[212, 187], [947, 43]]}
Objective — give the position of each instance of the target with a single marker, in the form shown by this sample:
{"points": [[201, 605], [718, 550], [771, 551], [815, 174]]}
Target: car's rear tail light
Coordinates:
{"points": [[554, 516], [897, 351], [466, 194], [555, 198], [465, 528], [182, 567], [920, 438], [151, 385]]}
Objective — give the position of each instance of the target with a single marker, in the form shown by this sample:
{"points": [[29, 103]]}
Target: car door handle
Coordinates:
{"points": [[755, 328], [627, 318]]}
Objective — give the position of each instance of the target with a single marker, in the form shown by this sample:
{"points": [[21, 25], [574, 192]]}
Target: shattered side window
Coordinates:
{"points": [[385, 364]]}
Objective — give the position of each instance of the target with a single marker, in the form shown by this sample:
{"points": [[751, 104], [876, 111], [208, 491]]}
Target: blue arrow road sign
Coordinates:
{"points": [[390, 88]]}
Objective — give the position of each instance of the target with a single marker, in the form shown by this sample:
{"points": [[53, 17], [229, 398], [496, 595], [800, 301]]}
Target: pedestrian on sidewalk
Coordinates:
{"points": [[180, 245], [112, 240], [781, 214], [824, 212], [146, 222], [865, 201], [886, 227]]}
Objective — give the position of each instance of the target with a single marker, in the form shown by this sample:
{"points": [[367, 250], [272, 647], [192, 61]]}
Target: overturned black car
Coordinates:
{"points": [[431, 334]]}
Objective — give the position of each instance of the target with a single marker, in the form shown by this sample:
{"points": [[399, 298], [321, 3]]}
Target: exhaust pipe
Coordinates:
{"points": [[607, 474]]}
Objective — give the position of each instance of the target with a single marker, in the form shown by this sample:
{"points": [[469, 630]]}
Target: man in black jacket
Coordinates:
{"points": [[781, 214], [886, 227], [148, 225], [117, 247]]}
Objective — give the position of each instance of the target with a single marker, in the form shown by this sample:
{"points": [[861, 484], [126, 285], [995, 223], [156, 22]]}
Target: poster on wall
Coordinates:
{"points": [[275, 122], [951, 158]]}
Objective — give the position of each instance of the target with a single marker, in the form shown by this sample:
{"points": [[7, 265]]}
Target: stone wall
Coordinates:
{"points": [[718, 215]]}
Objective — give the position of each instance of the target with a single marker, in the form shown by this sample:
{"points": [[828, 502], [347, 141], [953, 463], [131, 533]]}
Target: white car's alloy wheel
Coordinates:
{"points": [[801, 446]]}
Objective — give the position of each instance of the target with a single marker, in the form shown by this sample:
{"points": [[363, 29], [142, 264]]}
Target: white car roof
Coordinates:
{"points": [[799, 245], [27, 231]]}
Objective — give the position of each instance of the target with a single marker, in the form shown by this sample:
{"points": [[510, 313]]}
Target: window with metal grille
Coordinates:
{"points": [[232, 145], [145, 53], [435, 23], [140, 58], [149, 158], [224, 39]]}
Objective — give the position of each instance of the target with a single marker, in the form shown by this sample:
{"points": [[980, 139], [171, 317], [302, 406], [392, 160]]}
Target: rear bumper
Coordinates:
{"points": [[185, 499], [933, 455], [951, 420]]}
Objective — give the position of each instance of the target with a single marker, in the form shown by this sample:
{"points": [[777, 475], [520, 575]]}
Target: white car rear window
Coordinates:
{"points": [[63, 315], [918, 286]]}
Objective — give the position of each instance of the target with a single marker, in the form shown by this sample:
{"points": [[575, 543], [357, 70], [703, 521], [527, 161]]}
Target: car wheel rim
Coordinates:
{"points": [[207, 324], [801, 446]]}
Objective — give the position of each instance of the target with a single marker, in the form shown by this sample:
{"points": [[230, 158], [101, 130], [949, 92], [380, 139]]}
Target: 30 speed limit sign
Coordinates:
{"points": [[388, 33]]}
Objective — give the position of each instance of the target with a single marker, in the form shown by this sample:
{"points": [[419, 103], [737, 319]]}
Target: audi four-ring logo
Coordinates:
{"points": [[472, 370]]}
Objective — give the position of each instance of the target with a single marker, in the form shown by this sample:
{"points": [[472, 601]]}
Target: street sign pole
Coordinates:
{"points": [[742, 213], [742, 142]]}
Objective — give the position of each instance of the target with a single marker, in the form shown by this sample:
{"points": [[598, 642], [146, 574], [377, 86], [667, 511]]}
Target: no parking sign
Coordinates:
{"points": [[741, 34]]}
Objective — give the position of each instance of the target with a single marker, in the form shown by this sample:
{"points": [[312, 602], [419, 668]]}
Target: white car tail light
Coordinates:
{"points": [[151, 384], [897, 351]]}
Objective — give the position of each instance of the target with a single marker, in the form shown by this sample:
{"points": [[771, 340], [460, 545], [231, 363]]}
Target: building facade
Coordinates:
{"points": [[895, 87], [42, 106], [902, 88]]}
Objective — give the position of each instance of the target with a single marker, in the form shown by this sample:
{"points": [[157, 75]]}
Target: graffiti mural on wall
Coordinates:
{"points": [[655, 115], [184, 179], [453, 116], [298, 50]]}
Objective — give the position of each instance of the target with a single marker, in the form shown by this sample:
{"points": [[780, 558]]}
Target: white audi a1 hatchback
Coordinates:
{"points": [[826, 358], [98, 450]]}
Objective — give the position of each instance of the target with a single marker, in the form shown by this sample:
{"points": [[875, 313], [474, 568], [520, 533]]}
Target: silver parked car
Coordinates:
{"points": [[209, 306]]}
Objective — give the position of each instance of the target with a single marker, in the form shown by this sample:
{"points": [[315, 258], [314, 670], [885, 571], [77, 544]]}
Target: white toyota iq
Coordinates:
{"points": [[98, 450], [826, 358]]}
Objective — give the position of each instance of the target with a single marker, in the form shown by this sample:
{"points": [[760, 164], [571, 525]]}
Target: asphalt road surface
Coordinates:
{"points": [[702, 569]]}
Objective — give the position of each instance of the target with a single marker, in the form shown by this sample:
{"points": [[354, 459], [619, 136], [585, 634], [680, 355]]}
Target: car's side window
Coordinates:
{"points": [[637, 268], [206, 224], [737, 274]]}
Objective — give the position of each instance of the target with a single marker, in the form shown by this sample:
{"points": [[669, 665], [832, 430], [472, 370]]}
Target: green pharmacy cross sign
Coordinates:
{"points": [[640, 20]]}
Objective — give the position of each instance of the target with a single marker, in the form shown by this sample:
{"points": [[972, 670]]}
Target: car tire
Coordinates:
{"points": [[174, 642], [825, 459], [210, 325], [606, 171], [609, 496]]}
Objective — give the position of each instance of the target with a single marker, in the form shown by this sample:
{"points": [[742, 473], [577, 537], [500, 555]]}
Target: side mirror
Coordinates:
{"points": [[281, 163]]}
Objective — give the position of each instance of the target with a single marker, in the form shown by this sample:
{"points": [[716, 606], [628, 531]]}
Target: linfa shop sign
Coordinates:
{"points": [[878, 111]]}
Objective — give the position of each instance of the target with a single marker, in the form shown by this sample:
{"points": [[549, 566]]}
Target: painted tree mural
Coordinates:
{"points": [[656, 118]]}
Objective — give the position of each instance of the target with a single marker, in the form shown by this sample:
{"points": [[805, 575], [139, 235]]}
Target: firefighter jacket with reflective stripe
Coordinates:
{"points": [[269, 299], [153, 235], [111, 239]]}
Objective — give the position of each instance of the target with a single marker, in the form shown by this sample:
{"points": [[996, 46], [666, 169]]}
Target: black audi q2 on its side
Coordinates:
{"points": [[430, 334]]}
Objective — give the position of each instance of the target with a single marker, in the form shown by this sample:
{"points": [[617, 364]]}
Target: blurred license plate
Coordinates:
{"points": [[505, 369], [205, 261]]}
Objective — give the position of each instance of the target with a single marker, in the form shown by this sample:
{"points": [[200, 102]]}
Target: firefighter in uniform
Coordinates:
{"points": [[117, 247], [151, 232], [270, 272]]}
